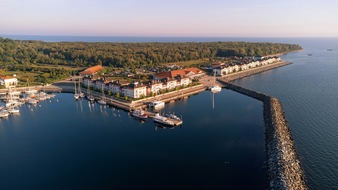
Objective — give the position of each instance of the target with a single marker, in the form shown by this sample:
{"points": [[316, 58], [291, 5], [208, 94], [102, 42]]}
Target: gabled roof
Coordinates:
{"points": [[92, 70], [181, 72], [6, 77]]}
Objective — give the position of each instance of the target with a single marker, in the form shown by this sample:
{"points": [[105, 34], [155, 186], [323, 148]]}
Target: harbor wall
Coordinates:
{"points": [[284, 167]]}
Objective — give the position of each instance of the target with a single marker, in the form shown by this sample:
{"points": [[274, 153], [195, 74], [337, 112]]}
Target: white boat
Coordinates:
{"points": [[139, 114], [156, 104], [81, 94], [32, 101], [215, 88], [172, 116], [13, 110], [4, 113], [76, 96], [102, 102], [163, 120], [11, 103]]}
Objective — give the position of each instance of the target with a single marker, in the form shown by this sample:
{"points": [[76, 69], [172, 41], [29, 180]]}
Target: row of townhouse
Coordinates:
{"points": [[136, 89], [230, 68]]}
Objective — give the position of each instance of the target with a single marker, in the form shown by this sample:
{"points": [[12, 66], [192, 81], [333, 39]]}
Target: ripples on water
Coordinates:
{"points": [[308, 90]]}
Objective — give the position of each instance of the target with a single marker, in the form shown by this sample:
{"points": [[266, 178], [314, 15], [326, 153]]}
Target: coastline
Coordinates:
{"points": [[284, 167]]}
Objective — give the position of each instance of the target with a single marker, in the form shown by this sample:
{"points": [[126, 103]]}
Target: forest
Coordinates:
{"points": [[124, 55]]}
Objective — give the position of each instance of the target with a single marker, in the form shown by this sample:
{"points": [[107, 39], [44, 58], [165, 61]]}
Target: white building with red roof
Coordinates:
{"points": [[8, 81]]}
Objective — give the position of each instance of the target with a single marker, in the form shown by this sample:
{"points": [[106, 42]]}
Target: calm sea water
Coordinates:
{"points": [[66, 144], [309, 93]]}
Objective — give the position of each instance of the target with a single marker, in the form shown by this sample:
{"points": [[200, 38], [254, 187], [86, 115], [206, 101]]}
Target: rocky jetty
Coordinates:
{"points": [[284, 167]]}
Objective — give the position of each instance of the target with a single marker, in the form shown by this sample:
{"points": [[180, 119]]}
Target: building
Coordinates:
{"points": [[91, 71], [154, 86], [8, 81], [135, 90], [189, 72]]}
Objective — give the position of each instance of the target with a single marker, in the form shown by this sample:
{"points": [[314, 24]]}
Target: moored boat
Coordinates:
{"points": [[215, 88], [139, 114], [156, 104], [4, 113], [163, 120], [13, 110]]}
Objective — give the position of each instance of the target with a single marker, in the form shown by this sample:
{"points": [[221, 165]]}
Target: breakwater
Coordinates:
{"points": [[246, 73], [284, 167]]}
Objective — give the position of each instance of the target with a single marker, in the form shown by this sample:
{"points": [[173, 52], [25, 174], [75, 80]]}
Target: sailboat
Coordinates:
{"points": [[89, 96], [76, 95], [81, 94], [102, 100], [215, 88]]}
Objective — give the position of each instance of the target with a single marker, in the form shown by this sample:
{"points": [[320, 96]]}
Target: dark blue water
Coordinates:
{"points": [[65, 144], [308, 90]]}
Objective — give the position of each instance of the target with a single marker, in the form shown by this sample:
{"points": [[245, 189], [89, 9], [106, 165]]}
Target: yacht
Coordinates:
{"points": [[13, 110], [102, 102], [215, 88], [156, 104], [76, 96], [163, 120], [172, 116], [4, 113], [139, 114], [32, 101]]}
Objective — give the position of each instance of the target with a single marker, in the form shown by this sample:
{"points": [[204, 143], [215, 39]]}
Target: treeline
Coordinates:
{"points": [[127, 54]]}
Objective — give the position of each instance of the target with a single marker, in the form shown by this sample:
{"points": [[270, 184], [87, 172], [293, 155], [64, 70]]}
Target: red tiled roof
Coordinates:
{"points": [[92, 70], [6, 77], [181, 72]]}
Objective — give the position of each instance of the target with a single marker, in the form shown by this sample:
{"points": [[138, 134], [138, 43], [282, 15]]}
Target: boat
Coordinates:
{"points": [[32, 101], [163, 120], [89, 96], [172, 116], [102, 100], [4, 113], [76, 95], [309, 54], [139, 114], [156, 104], [81, 94], [13, 110], [215, 88]]}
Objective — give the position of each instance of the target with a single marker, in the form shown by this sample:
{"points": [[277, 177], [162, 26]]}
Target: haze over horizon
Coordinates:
{"points": [[175, 18]]}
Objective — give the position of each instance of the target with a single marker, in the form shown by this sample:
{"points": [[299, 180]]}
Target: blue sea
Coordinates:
{"points": [[220, 148]]}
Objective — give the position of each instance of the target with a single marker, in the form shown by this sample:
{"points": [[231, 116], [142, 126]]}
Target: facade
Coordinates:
{"points": [[8, 81], [135, 90], [244, 65]]}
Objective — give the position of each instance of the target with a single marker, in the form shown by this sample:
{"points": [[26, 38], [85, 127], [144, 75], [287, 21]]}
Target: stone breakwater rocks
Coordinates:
{"points": [[246, 73], [284, 168]]}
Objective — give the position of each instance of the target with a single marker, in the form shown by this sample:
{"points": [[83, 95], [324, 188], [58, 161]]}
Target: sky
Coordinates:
{"points": [[178, 18]]}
